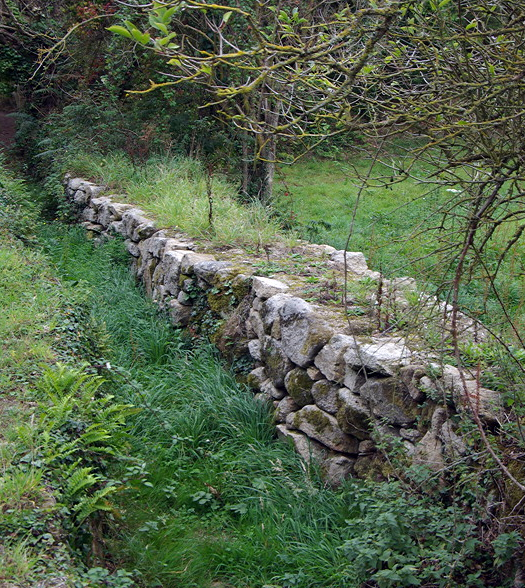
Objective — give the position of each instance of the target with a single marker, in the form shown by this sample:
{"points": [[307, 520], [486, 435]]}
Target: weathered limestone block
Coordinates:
{"points": [[184, 299], [353, 380], [72, 185], [190, 259], [265, 288], [314, 373], [270, 310], [131, 219], [323, 427], [88, 215], [256, 377], [145, 272], [307, 448], [267, 387], [133, 248], [303, 334], [470, 396], [116, 227], [389, 400], [338, 468], [325, 396], [367, 447], [384, 356], [453, 444], [206, 270], [180, 314], [429, 451], [330, 360], [411, 435], [97, 203], [171, 264], [285, 407], [111, 211], [84, 191], [411, 376], [254, 347], [276, 362], [355, 261], [93, 227], [353, 415], [144, 231], [299, 386], [254, 324]]}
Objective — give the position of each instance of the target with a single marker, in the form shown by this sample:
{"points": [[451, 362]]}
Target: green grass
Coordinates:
{"points": [[213, 499], [321, 197], [174, 191]]}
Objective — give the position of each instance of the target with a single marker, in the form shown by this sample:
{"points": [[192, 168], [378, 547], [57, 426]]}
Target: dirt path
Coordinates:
{"points": [[7, 129]]}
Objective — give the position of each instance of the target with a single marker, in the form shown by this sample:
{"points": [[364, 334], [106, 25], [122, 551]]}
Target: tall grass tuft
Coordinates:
{"points": [[174, 190]]}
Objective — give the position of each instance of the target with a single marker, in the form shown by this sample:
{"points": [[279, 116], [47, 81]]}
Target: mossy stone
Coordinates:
{"points": [[299, 386]]}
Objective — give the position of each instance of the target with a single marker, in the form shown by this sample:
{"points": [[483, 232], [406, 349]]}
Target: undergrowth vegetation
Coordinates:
{"points": [[144, 452], [212, 499]]}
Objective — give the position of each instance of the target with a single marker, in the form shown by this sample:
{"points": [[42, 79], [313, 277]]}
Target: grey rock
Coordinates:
{"points": [[254, 347], [325, 395], [277, 363], [256, 377], [384, 356], [190, 259], [411, 376], [388, 400], [454, 445], [132, 248], [367, 446], [183, 298], [270, 309], [299, 386], [330, 360], [276, 393], [324, 428], [353, 415], [303, 334], [254, 324], [265, 288], [353, 380], [410, 434], [355, 261], [314, 373], [338, 468], [206, 270], [180, 314], [285, 407], [307, 448]]}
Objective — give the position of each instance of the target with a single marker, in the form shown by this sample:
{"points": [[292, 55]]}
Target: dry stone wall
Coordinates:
{"points": [[339, 387]]}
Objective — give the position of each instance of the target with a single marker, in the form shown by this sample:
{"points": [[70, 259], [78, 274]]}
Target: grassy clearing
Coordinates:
{"points": [[320, 198], [174, 190], [213, 499]]}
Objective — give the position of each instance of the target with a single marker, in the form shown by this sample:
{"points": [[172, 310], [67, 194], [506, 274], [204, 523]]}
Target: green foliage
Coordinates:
{"points": [[217, 499]]}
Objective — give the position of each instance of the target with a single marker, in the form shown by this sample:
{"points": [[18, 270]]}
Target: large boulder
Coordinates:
{"points": [[330, 360], [353, 415], [299, 386], [323, 427], [384, 355], [303, 334], [389, 401]]}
